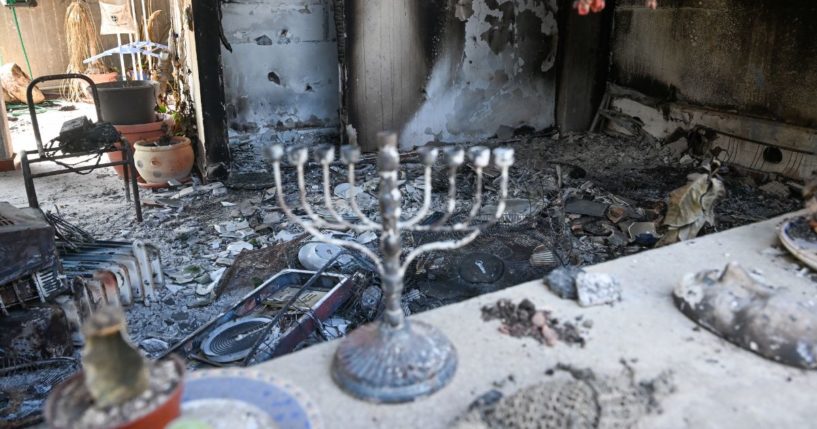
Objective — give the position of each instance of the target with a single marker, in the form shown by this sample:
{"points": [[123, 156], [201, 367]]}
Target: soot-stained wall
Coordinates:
{"points": [[755, 57], [449, 70], [282, 72]]}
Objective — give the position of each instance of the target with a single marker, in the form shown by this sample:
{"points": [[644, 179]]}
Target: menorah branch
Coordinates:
{"points": [[355, 206], [307, 207], [313, 231], [423, 212], [440, 245], [330, 204]]}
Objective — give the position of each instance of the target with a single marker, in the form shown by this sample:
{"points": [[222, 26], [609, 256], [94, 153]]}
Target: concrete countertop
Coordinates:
{"points": [[718, 384]]}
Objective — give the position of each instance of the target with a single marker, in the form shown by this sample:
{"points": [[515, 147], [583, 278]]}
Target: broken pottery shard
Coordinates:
{"points": [[585, 400], [772, 322], [597, 289], [616, 213], [562, 282]]}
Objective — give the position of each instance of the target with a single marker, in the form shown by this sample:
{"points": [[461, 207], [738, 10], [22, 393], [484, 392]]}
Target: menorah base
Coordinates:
{"points": [[382, 364]]}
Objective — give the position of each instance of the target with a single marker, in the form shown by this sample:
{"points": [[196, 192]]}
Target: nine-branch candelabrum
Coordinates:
{"points": [[395, 360]]}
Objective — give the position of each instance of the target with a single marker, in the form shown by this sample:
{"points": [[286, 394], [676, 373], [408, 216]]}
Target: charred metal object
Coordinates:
{"points": [[81, 135], [233, 340], [123, 272], [28, 258], [78, 138], [255, 342], [394, 360]]}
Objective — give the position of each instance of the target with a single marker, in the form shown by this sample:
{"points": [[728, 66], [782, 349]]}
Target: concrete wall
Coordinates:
{"points": [[44, 35], [757, 57], [454, 71], [282, 72]]}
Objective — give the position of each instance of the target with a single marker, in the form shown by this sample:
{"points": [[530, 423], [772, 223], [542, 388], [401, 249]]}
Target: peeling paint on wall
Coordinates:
{"points": [[282, 73], [493, 72]]}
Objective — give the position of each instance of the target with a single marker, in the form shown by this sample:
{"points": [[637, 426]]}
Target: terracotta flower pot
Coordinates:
{"points": [[158, 163], [159, 417], [103, 77], [132, 133]]}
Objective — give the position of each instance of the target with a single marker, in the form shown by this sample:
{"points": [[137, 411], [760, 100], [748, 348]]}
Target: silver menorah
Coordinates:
{"points": [[394, 360]]}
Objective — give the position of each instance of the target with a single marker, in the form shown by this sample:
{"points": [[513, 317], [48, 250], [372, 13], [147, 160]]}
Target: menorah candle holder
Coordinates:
{"points": [[394, 360]]}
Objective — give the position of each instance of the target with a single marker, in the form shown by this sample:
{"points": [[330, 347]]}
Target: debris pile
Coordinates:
{"points": [[524, 320], [578, 199]]}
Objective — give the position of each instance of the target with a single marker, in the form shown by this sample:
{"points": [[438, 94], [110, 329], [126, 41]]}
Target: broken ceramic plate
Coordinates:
{"points": [[740, 307], [800, 240], [240, 397], [314, 256]]}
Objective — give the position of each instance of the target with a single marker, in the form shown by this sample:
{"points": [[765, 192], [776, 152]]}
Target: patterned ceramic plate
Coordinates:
{"points": [[286, 404]]}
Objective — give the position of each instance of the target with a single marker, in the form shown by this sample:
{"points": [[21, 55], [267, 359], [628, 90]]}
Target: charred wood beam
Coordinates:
{"points": [[207, 28]]}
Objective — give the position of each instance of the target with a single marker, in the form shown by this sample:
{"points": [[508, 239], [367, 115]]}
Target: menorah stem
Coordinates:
{"points": [[391, 243]]}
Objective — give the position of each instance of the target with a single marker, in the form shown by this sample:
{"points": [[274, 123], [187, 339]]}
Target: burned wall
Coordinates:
{"points": [[450, 70], [756, 57], [282, 72]]}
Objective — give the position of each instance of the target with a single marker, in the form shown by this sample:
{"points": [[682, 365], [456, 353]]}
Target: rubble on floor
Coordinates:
{"points": [[581, 199]]}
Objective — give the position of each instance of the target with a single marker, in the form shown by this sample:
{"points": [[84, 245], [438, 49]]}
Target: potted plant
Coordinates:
{"points": [[118, 388], [161, 160], [157, 129]]}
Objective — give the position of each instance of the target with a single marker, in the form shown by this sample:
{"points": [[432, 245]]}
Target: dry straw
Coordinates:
{"points": [[83, 42]]}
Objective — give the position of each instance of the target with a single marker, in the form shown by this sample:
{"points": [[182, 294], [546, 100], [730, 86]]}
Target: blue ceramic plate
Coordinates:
{"points": [[285, 403]]}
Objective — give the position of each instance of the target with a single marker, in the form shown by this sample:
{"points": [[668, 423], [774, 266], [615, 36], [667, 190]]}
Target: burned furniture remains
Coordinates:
{"points": [[270, 321], [78, 138], [28, 258]]}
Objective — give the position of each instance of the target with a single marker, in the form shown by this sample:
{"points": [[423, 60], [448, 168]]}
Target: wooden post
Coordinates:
{"points": [[6, 150]]}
